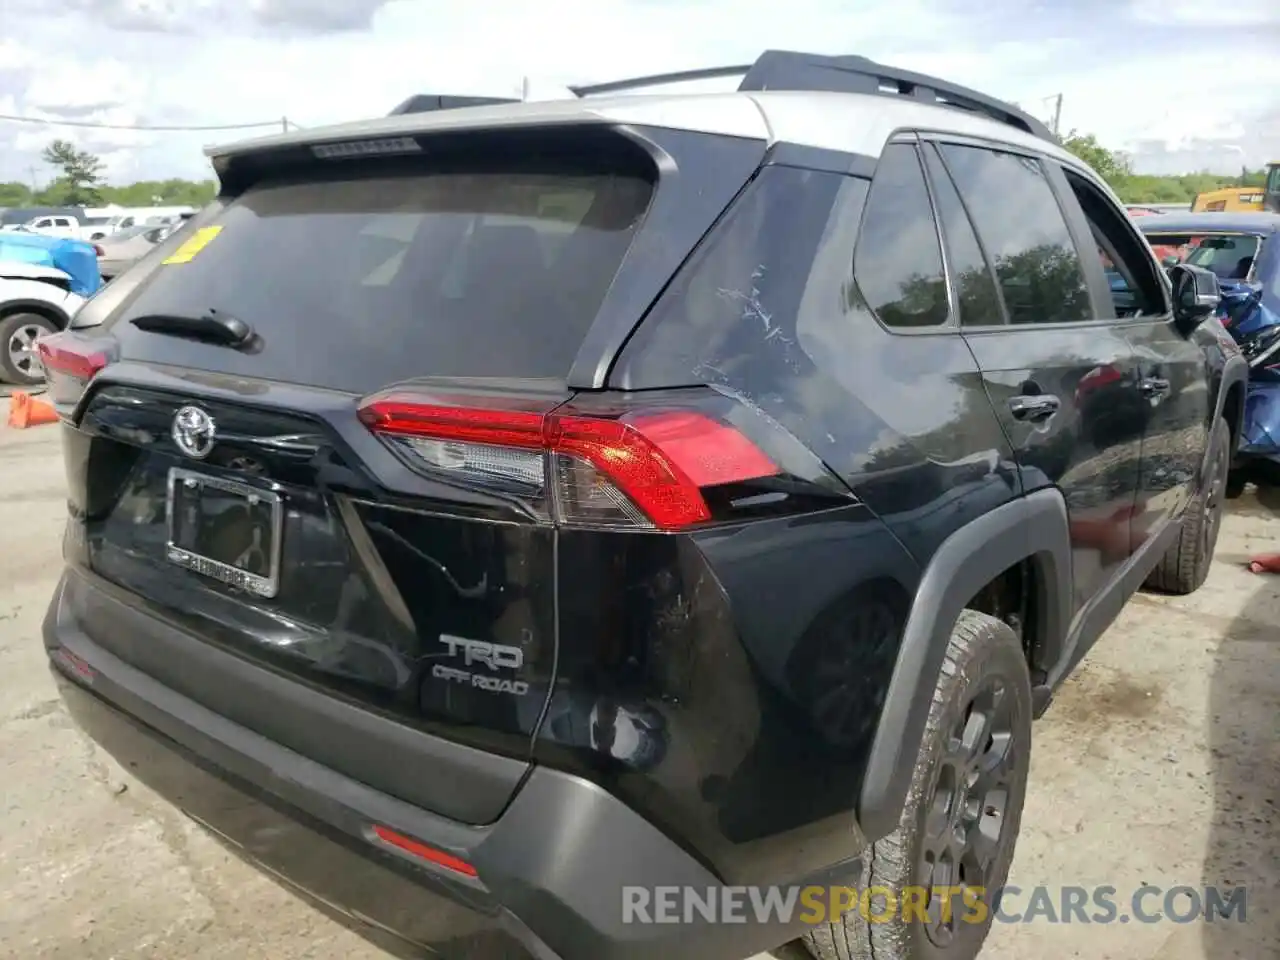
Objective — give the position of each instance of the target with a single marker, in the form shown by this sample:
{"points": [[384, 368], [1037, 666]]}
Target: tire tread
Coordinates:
{"points": [[1183, 569], [886, 863]]}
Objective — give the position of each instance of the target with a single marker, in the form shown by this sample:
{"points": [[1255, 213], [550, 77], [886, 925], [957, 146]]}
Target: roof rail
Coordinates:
{"points": [[789, 70], [425, 102], [613, 86]]}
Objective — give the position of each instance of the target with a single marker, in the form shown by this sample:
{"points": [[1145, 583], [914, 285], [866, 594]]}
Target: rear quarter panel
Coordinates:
{"points": [[766, 311]]}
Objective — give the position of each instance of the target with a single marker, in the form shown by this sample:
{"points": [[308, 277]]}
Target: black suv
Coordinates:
{"points": [[477, 512]]}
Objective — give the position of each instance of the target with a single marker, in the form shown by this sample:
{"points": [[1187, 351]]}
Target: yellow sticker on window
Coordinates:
{"points": [[194, 244]]}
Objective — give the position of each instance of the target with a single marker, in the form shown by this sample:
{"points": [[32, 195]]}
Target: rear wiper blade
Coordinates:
{"points": [[213, 326]]}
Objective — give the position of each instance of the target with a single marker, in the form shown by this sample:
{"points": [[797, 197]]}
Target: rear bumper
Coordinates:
{"points": [[551, 870]]}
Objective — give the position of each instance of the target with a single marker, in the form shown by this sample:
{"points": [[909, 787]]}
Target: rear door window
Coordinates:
{"points": [[355, 283], [1024, 233]]}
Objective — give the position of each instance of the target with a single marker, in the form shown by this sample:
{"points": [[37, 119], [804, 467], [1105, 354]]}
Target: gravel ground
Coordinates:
{"points": [[1158, 764]]}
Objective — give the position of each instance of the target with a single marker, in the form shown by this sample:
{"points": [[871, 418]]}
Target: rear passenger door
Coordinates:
{"points": [[1173, 376], [1060, 375]]}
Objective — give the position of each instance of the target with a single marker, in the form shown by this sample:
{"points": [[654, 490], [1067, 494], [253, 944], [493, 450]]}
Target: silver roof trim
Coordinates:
{"points": [[849, 122], [728, 114]]}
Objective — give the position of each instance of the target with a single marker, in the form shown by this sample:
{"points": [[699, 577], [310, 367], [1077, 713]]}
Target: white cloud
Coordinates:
{"points": [[15, 56], [1257, 14], [1133, 74]]}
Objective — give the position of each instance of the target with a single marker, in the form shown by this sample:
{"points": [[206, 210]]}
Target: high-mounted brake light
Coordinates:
{"points": [[354, 149], [642, 468]]}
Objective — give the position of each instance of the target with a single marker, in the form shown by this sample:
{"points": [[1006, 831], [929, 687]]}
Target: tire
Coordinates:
{"points": [[1183, 569], [983, 656], [1236, 481], [16, 365]]}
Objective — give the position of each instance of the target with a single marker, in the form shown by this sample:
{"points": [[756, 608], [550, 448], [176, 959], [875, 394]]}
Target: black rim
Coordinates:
{"points": [[964, 825]]}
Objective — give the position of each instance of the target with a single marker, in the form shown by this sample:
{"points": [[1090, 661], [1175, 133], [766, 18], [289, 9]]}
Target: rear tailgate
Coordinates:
{"points": [[229, 489]]}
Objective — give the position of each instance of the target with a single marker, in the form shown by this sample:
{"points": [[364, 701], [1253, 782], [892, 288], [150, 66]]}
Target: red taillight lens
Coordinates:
{"points": [[403, 415], [416, 848], [661, 461], [61, 355], [636, 468]]}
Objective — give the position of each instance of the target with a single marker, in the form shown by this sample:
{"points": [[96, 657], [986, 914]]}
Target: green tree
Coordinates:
{"points": [[169, 193], [80, 181], [1132, 187], [14, 194], [1108, 164], [1252, 178]]}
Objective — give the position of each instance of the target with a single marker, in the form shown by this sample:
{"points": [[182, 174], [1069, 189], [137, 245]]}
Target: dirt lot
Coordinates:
{"points": [[1158, 764]]}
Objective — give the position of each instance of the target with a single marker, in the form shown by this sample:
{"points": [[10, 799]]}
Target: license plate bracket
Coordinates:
{"points": [[225, 530]]}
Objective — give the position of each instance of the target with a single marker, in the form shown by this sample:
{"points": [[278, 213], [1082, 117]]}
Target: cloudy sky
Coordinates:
{"points": [[1182, 84]]}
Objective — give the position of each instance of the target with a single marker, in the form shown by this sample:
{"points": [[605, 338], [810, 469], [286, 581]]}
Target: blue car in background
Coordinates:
{"points": [[1243, 250]]}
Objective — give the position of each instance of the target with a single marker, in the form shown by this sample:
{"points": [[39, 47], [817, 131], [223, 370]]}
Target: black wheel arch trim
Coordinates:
{"points": [[1032, 528], [1234, 371]]}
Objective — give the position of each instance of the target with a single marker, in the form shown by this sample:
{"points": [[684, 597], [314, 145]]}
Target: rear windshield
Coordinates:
{"points": [[1230, 257], [355, 283]]}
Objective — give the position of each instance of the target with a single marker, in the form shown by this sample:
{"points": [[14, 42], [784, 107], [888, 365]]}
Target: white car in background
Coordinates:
{"points": [[118, 252], [34, 300]]}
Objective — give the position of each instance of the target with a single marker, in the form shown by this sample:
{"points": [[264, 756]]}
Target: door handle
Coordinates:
{"points": [[1035, 408], [1153, 386]]}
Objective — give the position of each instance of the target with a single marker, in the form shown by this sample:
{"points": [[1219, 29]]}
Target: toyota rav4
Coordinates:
{"points": [[478, 513]]}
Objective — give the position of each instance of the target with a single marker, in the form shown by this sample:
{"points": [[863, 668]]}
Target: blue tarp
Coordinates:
{"points": [[75, 258]]}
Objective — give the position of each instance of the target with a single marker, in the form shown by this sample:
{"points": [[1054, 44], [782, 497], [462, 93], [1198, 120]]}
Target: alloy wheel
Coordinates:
{"points": [[22, 350], [964, 826]]}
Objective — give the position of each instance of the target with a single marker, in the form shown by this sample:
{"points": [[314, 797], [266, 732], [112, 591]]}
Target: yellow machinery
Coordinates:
{"points": [[1266, 197]]}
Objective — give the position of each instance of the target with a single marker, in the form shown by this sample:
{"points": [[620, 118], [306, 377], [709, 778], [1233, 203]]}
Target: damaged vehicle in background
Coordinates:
{"points": [[1243, 251], [44, 281]]}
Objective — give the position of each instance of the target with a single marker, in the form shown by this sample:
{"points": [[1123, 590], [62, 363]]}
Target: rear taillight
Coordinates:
{"points": [[58, 356], [70, 362], [654, 465]]}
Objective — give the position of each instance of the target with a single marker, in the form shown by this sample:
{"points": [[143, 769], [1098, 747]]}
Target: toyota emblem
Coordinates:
{"points": [[193, 432]]}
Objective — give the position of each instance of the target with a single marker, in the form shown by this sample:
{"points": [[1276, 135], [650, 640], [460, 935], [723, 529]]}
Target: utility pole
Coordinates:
{"points": [[1057, 115], [284, 124], [34, 187]]}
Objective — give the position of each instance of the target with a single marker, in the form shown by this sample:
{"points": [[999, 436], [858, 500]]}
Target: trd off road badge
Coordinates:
{"points": [[494, 657]]}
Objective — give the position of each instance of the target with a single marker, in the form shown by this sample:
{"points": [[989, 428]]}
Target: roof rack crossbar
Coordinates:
{"points": [[789, 70]]}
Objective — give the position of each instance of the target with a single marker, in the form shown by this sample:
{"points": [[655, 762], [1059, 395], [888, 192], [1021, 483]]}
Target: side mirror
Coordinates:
{"points": [[1196, 295]]}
